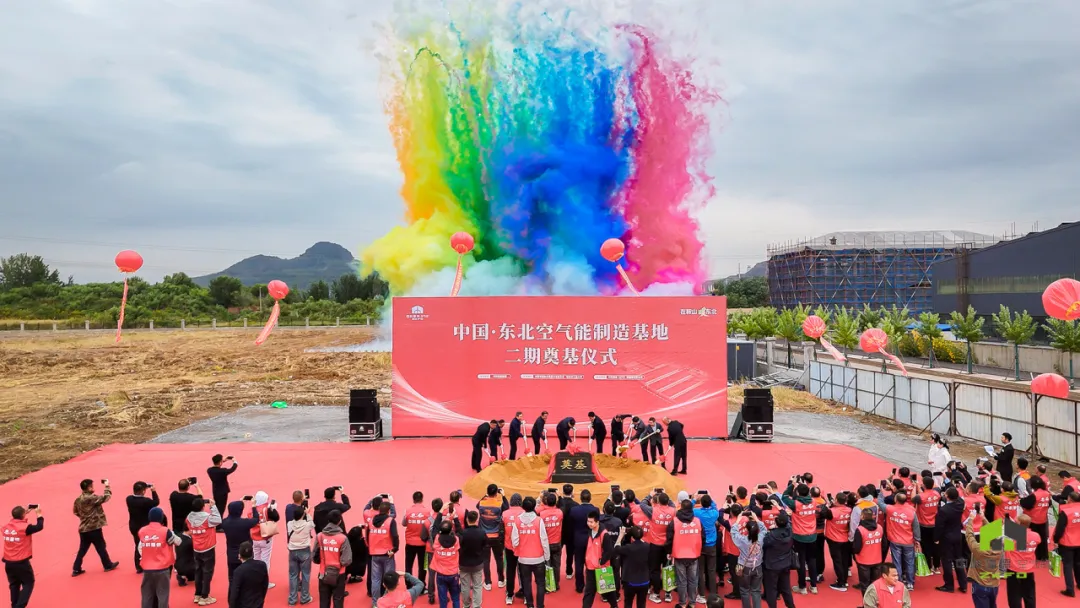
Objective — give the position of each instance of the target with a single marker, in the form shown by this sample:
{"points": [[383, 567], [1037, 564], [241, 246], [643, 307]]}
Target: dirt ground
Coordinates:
{"points": [[65, 393]]}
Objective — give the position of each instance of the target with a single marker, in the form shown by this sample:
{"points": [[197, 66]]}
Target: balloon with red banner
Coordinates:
{"points": [[462, 243], [613, 250], [1051, 385], [1062, 299], [277, 290], [127, 262], [814, 328], [875, 340]]}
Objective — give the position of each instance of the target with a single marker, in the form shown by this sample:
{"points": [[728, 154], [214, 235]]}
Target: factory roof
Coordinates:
{"points": [[918, 239]]}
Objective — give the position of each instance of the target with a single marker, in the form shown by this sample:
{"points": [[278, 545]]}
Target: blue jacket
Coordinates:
{"points": [[708, 517]]}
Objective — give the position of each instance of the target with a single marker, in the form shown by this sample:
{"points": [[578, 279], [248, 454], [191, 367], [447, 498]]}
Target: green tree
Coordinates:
{"points": [[318, 290], [761, 324], [789, 327], [1064, 336], [969, 328], [898, 317], [748, 292], [737, 323], [1015, 328], [845, 330], [25, 270], [346, 287], [869, 317], [179, 279], [825, 313], [225, 291], [928, 328]]}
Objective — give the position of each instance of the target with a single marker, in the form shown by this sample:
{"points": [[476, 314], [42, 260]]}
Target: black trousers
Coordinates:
{"points": [[513, 447], [511, 573], [1070, 565], [555, 550], [777, 583], [536, 445], [807, 553], [611, 598], [564, 440], [568, 553], [530, 574], [1042, 552], [952, 559], [495, 551], [655, 451], [334, 594], [96, 538], [635, 594], [1020, 589], [930, 547], [579, 565], [476, 463], [204, 571], [819, 552], [416, 553], [221, 501], [20, 576], [615, 441], [600, 443], [644, 452], [869, 574], [232, 565], [707, 571], [841, 560], [138, 558], [657, 557], [733, 564], [679, 453]]}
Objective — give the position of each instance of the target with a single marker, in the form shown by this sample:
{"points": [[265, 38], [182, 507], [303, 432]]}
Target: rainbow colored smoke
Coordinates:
{"points": [[542, 140]]}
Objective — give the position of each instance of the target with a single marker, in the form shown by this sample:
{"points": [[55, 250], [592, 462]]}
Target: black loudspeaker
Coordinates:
{"points": [[757, 414], [364, 406], [365, 431], [363, 395]]}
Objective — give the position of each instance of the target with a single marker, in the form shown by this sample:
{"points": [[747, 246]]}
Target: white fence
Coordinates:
{"points": [[1046, 426]]}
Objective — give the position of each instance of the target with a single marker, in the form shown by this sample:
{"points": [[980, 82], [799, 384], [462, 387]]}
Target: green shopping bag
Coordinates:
{"points": [[921, 567], [667, 576], [1052, 516], [605, 580], [1055, 564], [549, 583]]}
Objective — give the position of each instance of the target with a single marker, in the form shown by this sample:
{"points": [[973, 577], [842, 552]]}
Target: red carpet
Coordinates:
{"points": [[435, 467]]}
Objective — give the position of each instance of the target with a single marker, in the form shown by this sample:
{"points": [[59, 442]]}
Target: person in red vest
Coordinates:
{"points": [[837, 515], [530, 542], [1067, 480], [18, 551], [553, 520], [1020, 582], [430, 532], [685, 537], [1067, 537], [202, 525], [156, 553], [660, 516], [887, 591], [1036, 505], [508, 518], [414, 520], [398, 595], [383, 543], [926, 504], [732, 510], [445, 563], [904, 534], [333, 554], [866, 548], [599, 548], [804, 530]]}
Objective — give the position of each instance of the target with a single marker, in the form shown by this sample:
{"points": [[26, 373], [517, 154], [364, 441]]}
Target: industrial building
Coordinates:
{"points": [[852, 269], [1013, 273]]}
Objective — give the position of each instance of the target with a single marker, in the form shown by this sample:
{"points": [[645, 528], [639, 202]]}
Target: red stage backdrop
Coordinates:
{"points": [[458, 361]]}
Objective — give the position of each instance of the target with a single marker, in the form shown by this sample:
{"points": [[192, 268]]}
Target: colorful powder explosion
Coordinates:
{"points": [[542, 139]]}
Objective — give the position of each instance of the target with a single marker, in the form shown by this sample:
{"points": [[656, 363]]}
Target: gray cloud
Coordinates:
{"points": [[207, 132]]}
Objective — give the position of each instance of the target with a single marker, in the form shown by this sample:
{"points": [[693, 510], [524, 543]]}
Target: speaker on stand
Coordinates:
{"points": [[365, 417]]}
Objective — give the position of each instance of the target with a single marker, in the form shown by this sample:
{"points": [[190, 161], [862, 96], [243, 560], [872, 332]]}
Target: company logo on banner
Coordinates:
{"points": [[478, 358]]}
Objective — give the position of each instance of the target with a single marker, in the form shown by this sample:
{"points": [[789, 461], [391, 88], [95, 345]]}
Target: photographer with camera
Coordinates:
{"points": [[300, 533], [139, 506], [182, 503], [223, 466], [202, 525], [88, 508], [18, 550], [334, 500]]}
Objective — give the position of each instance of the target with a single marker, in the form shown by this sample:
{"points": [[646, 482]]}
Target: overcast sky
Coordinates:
{"points": [[201, 132]]}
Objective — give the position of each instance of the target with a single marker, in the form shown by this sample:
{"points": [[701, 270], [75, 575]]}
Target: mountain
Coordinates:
{"points": [[325, 261], [761, 269]]}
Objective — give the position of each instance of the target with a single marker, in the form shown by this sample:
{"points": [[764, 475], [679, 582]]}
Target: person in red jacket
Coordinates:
{"points": [[1067, 537], [553, 520], [202, 525], [599, 548], [904, 534], [156, 552], [531, 545], [660, 517], [1036, 505], [414, 520], [866, 547], [334, 554], [837, 521], [18, 551], [1020, 583], [887, 591], [383, 544], [926, 504]]}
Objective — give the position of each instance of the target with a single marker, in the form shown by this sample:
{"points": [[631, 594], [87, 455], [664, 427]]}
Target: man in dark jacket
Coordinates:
{"points": [[777, 547], [479, 439], [656, 441], [678, 444], [563, 430], [472, 555], [579, 525], [334, 500], [536, 433], [139, 506], [181, 501], [618, 435], [638, 432], [566, 504], [599, 431], [494, 441], [1004, 458], [219, 478], [949, 533], [237, 530], [248, 586], [515, 434]]}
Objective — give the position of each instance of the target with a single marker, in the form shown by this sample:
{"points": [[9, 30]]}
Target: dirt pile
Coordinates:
{"points": [[526, 476]]}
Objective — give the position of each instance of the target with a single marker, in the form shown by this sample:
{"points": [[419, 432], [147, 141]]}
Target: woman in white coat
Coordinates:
{"points": [[938, 458]]}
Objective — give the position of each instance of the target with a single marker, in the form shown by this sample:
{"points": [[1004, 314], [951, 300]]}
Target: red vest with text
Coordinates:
{"points": [[445, 561], [203, 537], [329, 546], [553, 520], [889, 597], [687, 542], [157, 553], [18, 545], [1071, 512], [529, 544], [1042, 505], [1073, 482], [870, 554], [1023, 559], [900, 524], [836, 529], [1011, 507], [927, 510], [415, 520], [398, 598], [768, 518], [594, 550], [661, 519], [368, 516], [379, 540], [260, 513], [730, 548], [804, 518], [639, 519], [509, 517], [970, 500]]}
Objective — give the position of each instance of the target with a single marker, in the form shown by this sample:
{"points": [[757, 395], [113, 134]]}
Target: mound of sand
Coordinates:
{"points": [[526, 476]]}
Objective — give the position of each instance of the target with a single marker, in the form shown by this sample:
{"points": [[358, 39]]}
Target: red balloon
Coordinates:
{"points": [[1062, 299], [813, 327], [462, 242], [612, 250], [873, 340], [277, 289], [1051, 385], [128, 261]]}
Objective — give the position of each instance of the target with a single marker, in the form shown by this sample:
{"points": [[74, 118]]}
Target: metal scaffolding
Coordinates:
{"points": [[853, 269]]}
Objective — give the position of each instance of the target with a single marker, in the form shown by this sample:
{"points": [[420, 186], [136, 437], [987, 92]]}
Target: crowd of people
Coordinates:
{"points": [[686, 550]]}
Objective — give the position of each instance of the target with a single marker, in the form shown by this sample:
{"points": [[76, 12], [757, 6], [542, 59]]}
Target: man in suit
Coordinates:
{"points": [[656, 442], [579, 525], [479, 438], [638, 431], [678, 443], [599, 431], [536, 433], [617, 433], [494, 440], [515, 433], [566, 503], [1004, 458], [563, 430]]}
